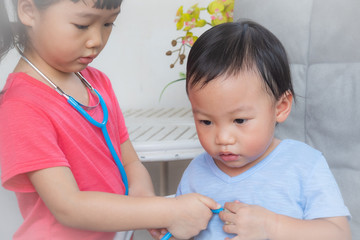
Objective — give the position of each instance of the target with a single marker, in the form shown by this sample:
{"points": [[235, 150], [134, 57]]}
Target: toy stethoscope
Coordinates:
{"points": [[81, 109]]}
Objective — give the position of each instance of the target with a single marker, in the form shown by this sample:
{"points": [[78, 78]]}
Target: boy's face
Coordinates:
{"points": [[235, 120]]}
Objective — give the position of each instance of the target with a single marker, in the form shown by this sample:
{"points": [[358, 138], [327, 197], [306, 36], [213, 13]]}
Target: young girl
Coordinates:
{"points": [[61, 166], [238, 82]]}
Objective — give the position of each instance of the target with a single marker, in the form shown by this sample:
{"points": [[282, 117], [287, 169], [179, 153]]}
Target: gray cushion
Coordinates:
{"points": [[322, 39]]}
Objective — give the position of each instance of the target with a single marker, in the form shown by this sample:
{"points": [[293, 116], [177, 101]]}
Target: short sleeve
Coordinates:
{"points": [[322, 194], [38, 148]]}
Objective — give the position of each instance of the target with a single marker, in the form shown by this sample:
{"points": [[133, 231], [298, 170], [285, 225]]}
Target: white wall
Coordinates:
{"points": [[136, 63], [134, 58]]}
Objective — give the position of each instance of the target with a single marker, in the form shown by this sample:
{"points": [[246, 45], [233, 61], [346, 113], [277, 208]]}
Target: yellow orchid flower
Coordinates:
{"points": [[220, 11], [216, 7], [189, 39], [179, 20], [229, 11]]}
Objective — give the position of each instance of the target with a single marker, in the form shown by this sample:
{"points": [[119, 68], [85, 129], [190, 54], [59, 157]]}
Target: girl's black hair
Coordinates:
{"points": [[15, 32], [229, 48], [100, 4], [6, 35]]}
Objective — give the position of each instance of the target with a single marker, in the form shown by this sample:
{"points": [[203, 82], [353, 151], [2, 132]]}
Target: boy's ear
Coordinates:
{"points": [[283, 106], [26, 12]]}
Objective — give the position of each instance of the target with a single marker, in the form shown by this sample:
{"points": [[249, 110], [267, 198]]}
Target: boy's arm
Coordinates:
{"points": [[255, 222], [336, 228]]}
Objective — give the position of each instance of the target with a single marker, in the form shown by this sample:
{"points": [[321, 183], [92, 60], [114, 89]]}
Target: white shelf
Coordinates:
{"points": [[164, 134]]}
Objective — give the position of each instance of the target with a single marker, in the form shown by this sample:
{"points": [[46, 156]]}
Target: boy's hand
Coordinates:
{"points": [[158, 233], [250, 222]]}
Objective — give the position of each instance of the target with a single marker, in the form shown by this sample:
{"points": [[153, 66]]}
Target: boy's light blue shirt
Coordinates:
{"points": [[293, 180]]}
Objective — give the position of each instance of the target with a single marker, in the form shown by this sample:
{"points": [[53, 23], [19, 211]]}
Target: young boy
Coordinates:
{"points": [[239, 85]]}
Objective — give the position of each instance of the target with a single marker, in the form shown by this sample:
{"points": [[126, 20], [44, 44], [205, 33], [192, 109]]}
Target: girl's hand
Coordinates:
{"points": [[250, 222], [191, 215]]}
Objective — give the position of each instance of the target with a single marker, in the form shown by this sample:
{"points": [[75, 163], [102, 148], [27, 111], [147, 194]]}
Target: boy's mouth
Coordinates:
{"points": [[227, 157]]}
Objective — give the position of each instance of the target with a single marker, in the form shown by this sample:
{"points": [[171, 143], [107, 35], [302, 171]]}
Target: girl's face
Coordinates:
{"points": [[67, 36], [235, 120]]}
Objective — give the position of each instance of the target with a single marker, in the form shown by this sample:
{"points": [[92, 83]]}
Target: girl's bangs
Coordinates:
{"points": [[107, 4]]}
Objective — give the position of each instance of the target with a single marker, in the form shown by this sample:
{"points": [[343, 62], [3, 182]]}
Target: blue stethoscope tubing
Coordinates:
{"points": [[102, 126], [168, 235]]}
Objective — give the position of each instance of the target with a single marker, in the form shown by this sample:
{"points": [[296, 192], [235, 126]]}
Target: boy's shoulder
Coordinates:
{"points": [[199, 164], [296, 146], [294, 153]]}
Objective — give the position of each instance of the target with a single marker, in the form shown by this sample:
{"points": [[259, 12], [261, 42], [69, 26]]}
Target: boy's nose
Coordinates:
{"points": [[224, 137]]}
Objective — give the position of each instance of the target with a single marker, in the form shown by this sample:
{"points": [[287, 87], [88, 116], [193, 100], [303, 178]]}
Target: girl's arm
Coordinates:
{"points": [[184, 216], [255, 222], [140, 183]]}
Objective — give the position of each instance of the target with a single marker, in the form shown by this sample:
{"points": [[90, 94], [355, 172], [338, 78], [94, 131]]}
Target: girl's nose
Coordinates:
{"points": [[95, 39]]}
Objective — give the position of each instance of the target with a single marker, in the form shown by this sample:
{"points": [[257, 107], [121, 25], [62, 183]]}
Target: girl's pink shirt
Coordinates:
{"points": [[38, 130]]}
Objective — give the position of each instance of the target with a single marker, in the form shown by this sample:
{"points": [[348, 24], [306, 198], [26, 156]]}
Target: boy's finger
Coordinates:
{"points": [[234, 206], [227, 217], [155, 233]]}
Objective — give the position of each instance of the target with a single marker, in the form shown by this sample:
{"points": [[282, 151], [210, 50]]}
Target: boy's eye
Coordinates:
{"points": [[82, 27], [205, 122], [109, 24], [239, 121]]}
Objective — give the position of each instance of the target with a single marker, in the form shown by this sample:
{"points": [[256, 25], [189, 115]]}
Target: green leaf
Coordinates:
{"points": [[170, 83]]}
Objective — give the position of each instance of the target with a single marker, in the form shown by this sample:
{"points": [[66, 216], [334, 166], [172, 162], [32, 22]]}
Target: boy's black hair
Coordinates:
{"points": [[229, 48]]}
